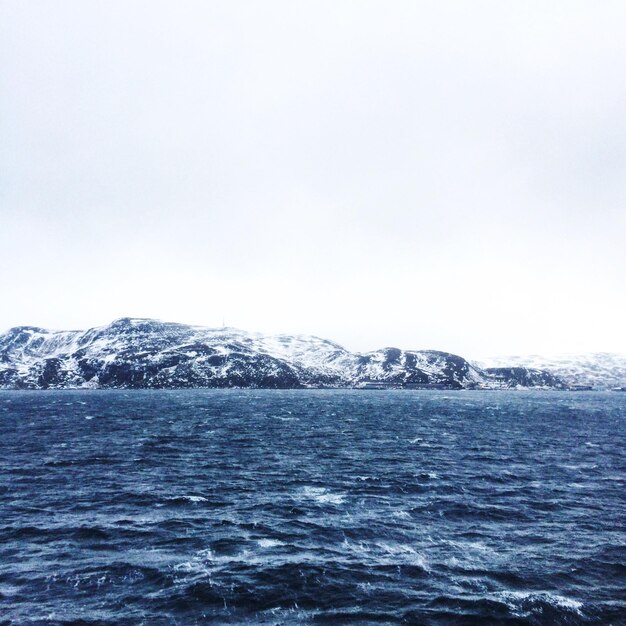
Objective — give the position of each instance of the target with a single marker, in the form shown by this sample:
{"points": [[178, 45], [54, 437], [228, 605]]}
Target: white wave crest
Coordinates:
{"points": [[322, 495], [521, 602]]}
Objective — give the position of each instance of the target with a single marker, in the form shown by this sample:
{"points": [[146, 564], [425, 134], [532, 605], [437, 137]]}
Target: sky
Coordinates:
{"points": [[422, 174]]}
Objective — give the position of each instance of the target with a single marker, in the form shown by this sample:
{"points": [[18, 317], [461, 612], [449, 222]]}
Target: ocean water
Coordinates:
{"points": [[312, 507]]}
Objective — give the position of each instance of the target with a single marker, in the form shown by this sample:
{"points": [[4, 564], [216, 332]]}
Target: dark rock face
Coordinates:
{"points": [[139, 353], [51, 374], [9, 378]]}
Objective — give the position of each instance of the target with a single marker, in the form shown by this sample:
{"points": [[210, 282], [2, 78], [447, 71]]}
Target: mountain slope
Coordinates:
{"points": [[600, 370], [144, 353]]}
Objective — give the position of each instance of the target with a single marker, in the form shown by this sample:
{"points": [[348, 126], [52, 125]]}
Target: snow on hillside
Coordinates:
{"points": [[600, 370], [144, 353]]}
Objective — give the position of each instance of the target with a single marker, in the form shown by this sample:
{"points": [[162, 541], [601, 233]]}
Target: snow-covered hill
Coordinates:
{"points": [[599, 370], [144, 353]]}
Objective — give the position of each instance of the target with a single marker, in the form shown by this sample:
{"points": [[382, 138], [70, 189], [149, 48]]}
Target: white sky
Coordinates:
{"points": [[446, 175]]}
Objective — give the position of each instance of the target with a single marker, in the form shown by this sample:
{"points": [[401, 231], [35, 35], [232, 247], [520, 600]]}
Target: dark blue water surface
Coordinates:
{"points": [[298, 507]]}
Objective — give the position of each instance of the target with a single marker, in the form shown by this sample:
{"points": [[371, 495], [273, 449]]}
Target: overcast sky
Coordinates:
{"points": [[447, 175]]}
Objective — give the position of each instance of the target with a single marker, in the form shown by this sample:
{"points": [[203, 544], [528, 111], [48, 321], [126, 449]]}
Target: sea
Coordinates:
{"points": [[312, 507]]}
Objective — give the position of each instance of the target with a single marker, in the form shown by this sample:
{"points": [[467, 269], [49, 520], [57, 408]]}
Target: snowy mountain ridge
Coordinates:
{"points": [[146, 353], [599, 370]]}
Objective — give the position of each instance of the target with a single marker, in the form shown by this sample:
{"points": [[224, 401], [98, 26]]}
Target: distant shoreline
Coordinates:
{"points": [[137, 353]]}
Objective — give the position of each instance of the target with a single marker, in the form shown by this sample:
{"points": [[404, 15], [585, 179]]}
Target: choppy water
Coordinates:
{"points": [[297, 507]]}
